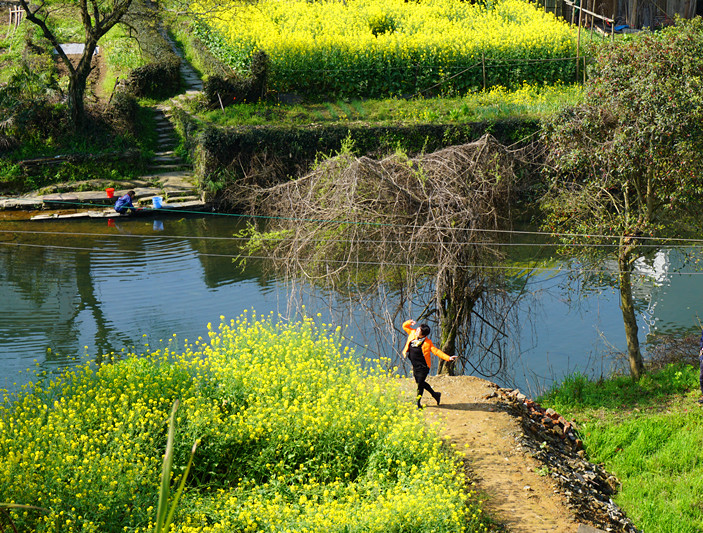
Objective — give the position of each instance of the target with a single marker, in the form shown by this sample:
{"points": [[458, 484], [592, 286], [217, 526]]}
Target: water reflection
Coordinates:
{"points": [[65, 295], [89, 287]]}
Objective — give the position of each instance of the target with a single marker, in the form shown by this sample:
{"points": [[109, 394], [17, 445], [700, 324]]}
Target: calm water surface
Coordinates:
{"points": [[71, 290]]}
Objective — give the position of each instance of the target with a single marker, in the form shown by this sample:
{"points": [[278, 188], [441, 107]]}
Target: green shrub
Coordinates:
{"points": [[155, 80], [123, 110], [381, 23], [235, 89]]}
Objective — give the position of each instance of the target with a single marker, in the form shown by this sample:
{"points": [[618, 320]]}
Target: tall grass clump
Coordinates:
{"points": [[377, 48], [293, 436], [650, 435]]}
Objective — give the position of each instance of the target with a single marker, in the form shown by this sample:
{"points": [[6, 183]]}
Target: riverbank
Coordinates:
{"points": [[647, 433], [175, 191], [272, 441]]}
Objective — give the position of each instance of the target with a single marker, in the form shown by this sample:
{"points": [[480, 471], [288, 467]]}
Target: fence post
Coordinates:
{"points": [[573, 13], [578, 41]]}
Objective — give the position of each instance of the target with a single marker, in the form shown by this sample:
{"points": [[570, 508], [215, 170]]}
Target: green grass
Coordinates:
{"points": [[528, 102], [650, 435], [121, 56], [293, 435]]}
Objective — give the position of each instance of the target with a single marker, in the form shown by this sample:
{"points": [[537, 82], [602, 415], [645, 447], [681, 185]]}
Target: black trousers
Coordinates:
{"points": [[420, 375]]}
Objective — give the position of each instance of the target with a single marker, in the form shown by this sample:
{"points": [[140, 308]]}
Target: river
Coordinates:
{"points": [[75, 290]]}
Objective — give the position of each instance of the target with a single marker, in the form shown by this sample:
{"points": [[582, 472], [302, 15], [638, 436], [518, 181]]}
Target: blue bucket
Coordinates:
{"points": [[156, 200]]}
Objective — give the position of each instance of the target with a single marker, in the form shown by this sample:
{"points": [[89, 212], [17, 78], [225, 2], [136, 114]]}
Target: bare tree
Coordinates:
{"points": [[423, 227]]}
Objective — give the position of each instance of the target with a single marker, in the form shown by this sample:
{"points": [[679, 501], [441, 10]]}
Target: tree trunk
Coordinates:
{"points": [[447, 335], [78, 80], [447, 311], [76, 107], [448, 346], [628, 309]]}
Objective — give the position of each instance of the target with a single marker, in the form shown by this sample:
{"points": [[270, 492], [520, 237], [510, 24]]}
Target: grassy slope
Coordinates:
{"points": [[650, 435], [529, 102], [293, 434]]}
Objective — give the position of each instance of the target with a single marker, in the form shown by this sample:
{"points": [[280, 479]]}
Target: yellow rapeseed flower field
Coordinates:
{"points": [[294, 436], [376, 48]]}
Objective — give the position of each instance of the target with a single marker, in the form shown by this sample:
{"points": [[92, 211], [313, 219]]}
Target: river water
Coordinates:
{"points": [[75, 290]]}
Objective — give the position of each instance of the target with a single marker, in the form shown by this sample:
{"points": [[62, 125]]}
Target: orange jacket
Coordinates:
{"points": [[427, 347]]}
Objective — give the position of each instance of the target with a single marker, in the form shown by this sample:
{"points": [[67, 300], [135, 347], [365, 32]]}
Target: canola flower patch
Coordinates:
{"points": [[376, 48], [294, 436]]}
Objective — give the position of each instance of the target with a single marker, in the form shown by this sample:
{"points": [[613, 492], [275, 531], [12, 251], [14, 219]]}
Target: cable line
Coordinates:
{"points": [[521, 268], [410, 226], [360, 241]]}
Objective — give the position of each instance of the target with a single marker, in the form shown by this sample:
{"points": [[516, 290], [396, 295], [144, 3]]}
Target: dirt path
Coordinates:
{"points": [[475, 422]]}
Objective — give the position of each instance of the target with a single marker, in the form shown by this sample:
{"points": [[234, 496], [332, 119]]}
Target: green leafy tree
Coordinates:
{"points": [[628, 162], [97, 17]]}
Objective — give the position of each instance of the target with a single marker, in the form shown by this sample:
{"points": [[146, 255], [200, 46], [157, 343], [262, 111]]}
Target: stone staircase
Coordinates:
{"points": [[174, 173]]}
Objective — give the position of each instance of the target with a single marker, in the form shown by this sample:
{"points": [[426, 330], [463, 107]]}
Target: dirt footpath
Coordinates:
{"points": [[489, 433]]}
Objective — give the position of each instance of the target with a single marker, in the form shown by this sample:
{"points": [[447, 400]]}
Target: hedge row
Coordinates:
{"points": [[280, 153], [160, 77]]}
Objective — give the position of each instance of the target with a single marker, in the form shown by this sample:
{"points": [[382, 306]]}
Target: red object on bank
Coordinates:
{"points": [[110, 192]]}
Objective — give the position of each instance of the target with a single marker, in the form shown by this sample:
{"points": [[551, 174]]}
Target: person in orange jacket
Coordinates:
{"points": [[419, 349]]}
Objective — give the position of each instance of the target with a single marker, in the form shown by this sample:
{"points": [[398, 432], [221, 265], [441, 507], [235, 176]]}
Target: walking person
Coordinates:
{"points": [[419, 349]]}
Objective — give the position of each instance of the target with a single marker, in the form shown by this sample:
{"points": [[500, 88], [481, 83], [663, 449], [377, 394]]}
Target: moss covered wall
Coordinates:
{"points": [[273, 154]]}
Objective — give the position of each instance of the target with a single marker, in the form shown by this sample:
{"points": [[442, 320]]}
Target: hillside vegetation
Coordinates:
{"points": [[649, 434], [293, 435]]}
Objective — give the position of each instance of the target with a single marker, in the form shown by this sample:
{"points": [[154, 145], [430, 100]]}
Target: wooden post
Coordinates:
{"points": [[117, 82], [578, 40], [634, 15], [14, 20], [483, 66]]}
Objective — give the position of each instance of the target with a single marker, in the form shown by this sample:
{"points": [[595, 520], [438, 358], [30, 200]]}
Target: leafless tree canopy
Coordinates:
{"points": [[423, 226]]}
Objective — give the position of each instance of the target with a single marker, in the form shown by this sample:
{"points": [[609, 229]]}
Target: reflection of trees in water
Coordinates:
{"points": [[372, 321], [214, 253], [59, 285], [39, 282], [44, 285]]}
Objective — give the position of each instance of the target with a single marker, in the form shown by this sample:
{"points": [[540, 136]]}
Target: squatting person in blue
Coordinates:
{"points": [[124, 203]]}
